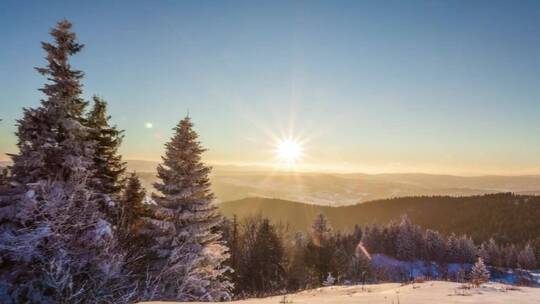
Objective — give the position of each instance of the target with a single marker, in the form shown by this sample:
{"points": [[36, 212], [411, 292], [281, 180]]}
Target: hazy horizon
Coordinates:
{"points": [[420, 87]]}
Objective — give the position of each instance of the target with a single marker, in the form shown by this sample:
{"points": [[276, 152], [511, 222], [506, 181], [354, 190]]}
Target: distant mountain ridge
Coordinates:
{"points": [[231, 182], [508, 217], [334, 189]]}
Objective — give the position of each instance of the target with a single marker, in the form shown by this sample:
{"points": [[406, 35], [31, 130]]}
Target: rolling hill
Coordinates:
{"points": [[349, 189], [508, 217]]}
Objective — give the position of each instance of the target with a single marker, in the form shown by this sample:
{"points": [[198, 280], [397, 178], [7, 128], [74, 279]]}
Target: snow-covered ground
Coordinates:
{"points": [[393, 293]]}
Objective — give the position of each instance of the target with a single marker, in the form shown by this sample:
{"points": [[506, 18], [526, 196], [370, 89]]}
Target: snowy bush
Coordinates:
{"points": [[62, 250], [479, 273], [330, 280]]}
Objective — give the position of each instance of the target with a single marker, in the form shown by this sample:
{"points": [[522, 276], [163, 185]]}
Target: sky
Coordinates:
{"points": [[364, 86]]}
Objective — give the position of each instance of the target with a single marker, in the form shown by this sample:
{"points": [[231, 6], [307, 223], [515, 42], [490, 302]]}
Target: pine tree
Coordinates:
{"points": [[320, 250], [52, 137], [343, 257], [372, 239], [297, 277], [108, 166], [362, 263], [133, 207], [479, 273], [467, 250], [265, 264], [57, 246], [188, 249], [405, 246], [494, 253], [510, 255], [526, 258], [436, 246], [320, 229], [231, 234], [133, 211], [131, 229], [453, 253]]}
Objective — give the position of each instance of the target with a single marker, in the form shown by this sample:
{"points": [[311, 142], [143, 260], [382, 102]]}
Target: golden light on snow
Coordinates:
{"points": [[148, 125], [289, 151]]}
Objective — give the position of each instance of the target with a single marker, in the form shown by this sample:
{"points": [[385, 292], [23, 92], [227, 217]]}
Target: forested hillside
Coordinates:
{"points": [[505, 216]]}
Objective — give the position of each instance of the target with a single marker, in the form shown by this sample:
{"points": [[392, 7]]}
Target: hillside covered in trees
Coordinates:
{"points": [[505, 217]]}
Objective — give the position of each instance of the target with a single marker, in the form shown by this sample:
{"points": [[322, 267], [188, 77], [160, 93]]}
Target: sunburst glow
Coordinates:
{"points": [[289, 150]]}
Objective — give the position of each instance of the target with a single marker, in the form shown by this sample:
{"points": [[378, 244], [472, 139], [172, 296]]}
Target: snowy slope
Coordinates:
{"points": [[429, 292]]}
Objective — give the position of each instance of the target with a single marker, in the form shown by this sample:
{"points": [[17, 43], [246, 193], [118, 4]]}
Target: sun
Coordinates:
{"points": [[289, 151]]}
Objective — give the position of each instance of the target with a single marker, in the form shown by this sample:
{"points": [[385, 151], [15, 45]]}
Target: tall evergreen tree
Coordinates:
{"points": [[131, 228], [435, 245], [320, 229], [189, 253], [52, 138], [231, 234], [405, 243], [494, 253], [320, 250], [133, 208], [526, 258], [297, 275], [57, 246], [266, 263], [510, 255], [453, 252], [108, 166]]}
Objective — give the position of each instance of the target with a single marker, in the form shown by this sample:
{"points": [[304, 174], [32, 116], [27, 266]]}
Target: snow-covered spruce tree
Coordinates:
{"points": [[467, 249], [52, 137], [188, 254], [479, 273], [435, 245], [526, 258], [494, 253], [57, 246], [64, 252], [452, 249], [405, 243], [510, 256], [108, 167]]}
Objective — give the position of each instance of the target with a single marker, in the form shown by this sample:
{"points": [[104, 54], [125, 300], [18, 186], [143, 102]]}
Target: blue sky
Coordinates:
{"points": [[374, 86]]}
